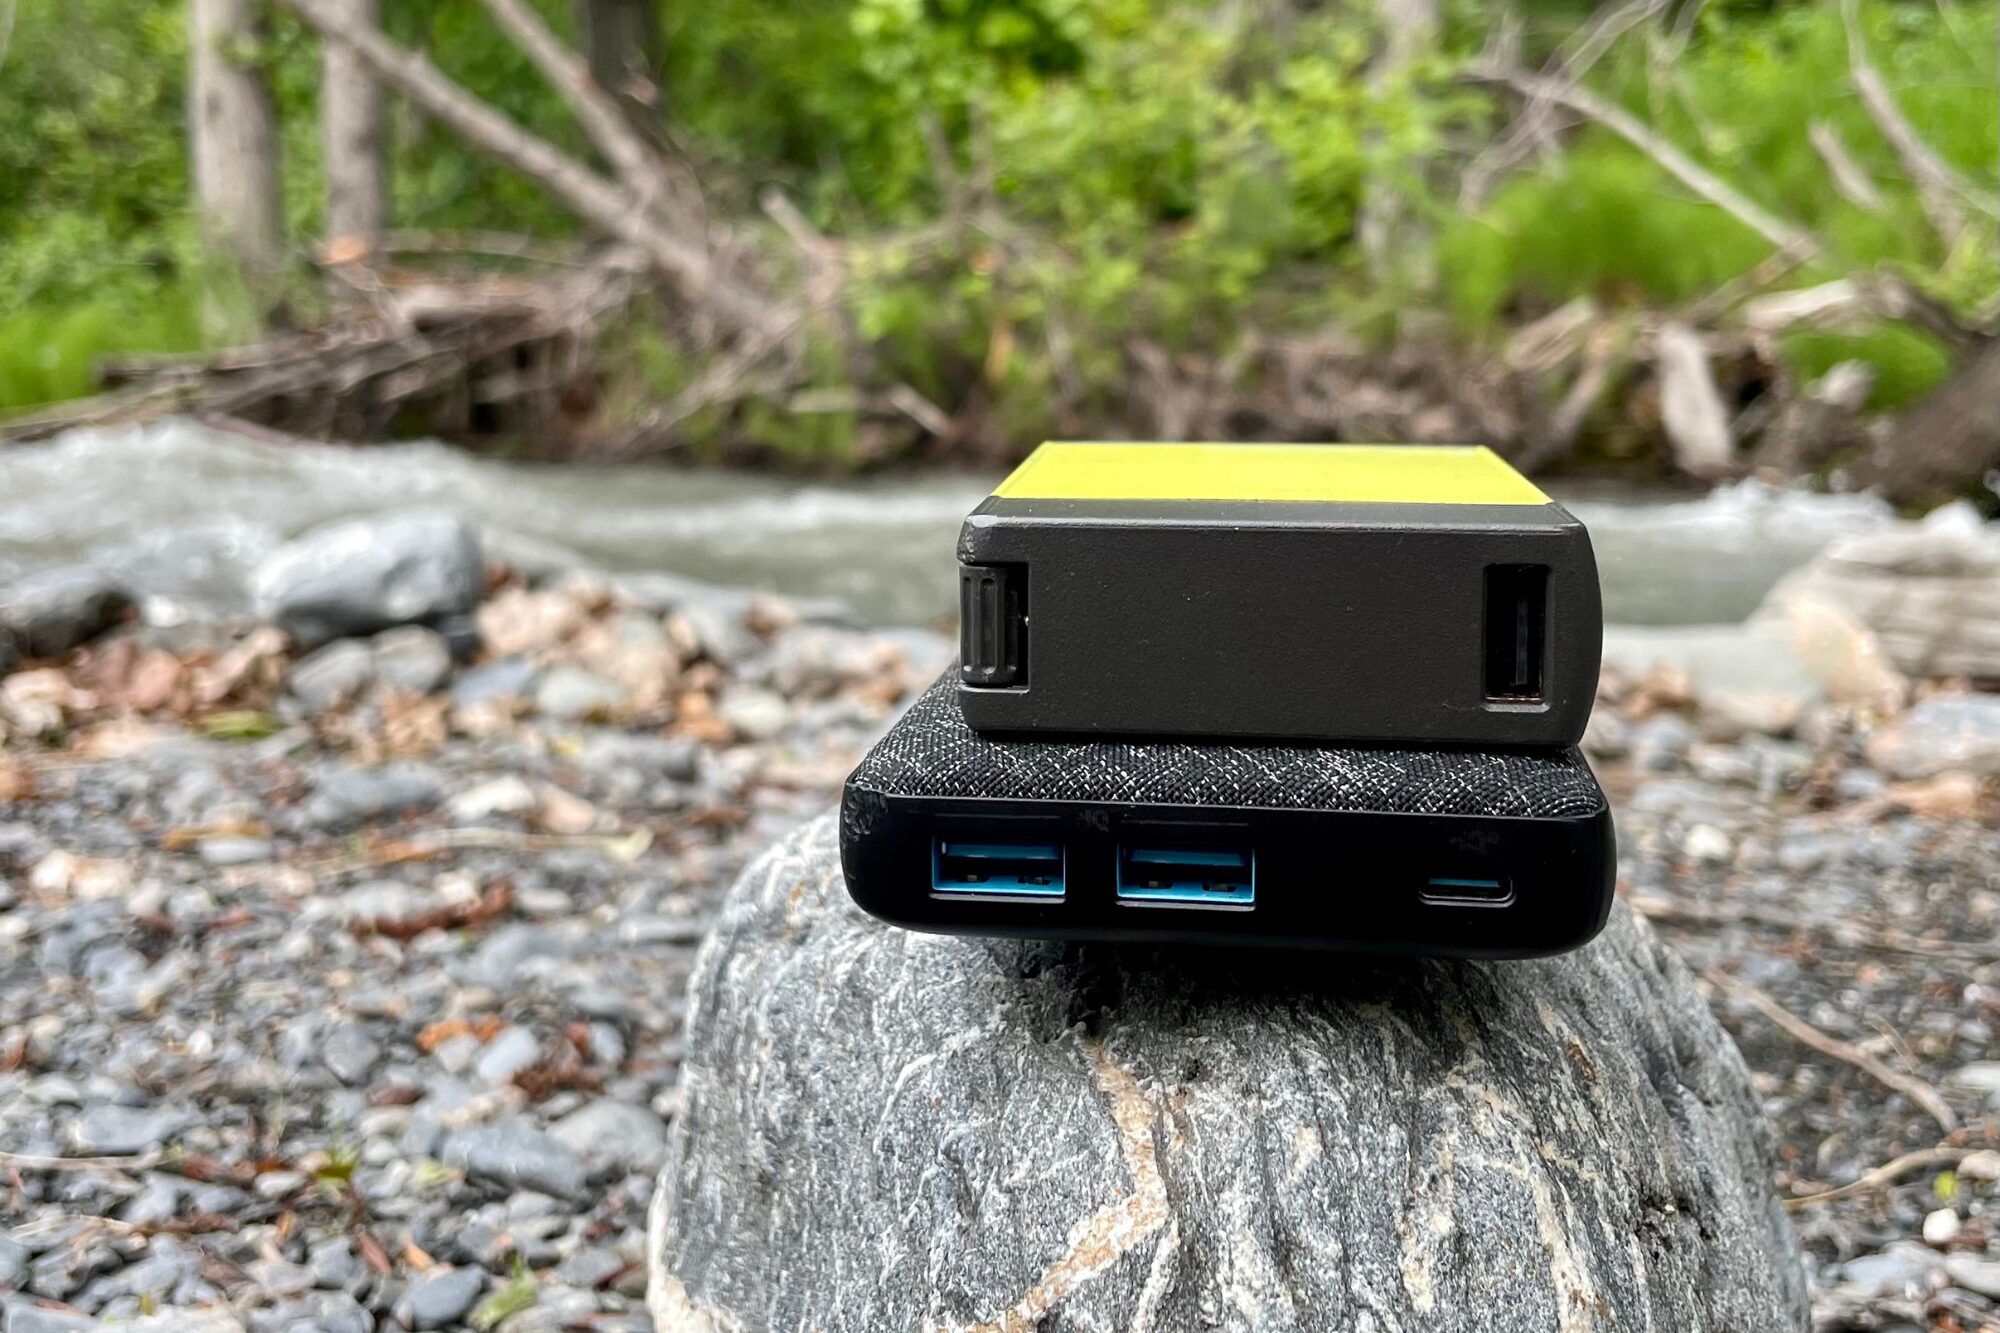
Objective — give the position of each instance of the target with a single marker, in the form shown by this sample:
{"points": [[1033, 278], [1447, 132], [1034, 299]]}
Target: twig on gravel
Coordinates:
{"points": [[30, 1162], [1884, 1175], [1846, 933], [1918, 1091], [624, 848]]}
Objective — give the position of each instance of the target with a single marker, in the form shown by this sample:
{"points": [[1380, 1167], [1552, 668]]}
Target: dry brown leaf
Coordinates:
{"points": [[17, 780], [486, 1027], [694, 717], [493, 902], [1947, 796], [154, 682], [250, 672], [413, 724], [372, 1252], [39, 703]]}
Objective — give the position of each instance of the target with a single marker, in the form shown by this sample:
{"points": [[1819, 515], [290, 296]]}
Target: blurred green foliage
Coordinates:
{"points": [[1030, 185]]}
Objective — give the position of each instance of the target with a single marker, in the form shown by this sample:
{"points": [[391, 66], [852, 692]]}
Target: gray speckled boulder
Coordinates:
{"points": [[884, 1130]]}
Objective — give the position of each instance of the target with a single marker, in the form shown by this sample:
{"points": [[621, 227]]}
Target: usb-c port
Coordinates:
{"points": [[1466, 891]]}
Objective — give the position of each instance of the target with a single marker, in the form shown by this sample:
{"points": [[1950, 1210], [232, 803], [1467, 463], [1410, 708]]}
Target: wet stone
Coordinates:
{"points": [[513, 1154], [412, 659], [345, 797], [363, 575], [441, 1299], [126, 1130]]}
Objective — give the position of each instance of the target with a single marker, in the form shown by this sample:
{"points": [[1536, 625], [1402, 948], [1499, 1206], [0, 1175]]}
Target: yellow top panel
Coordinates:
{"points": [[1339, 473]]}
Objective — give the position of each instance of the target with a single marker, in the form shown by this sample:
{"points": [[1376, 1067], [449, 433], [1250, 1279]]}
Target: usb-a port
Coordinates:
{"points": [[1187, 876], [965, 868]]}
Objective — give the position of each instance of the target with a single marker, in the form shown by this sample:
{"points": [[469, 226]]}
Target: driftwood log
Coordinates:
{"points": [[884, 1130]]}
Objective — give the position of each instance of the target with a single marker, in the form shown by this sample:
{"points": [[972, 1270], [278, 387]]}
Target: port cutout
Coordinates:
{"points": [[993, 625], [1516, 623], [1205, 877], [967, 868], [1466, 891]]}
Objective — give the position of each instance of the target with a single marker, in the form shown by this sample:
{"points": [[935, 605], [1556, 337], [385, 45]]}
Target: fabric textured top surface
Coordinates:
{"points": [[931, 751]]}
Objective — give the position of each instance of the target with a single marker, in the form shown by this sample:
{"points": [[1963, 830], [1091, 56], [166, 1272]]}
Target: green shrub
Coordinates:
{"points": [[1029, 186]]}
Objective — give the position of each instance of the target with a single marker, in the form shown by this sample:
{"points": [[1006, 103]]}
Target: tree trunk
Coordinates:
{"points": [[883, 1130], [1945, 445], [233, 132], [1390, 239], [351, 119], [621, 42]]}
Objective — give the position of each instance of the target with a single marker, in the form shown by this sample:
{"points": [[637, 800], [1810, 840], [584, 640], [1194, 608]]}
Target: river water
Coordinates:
{"points": [[182, 512]]}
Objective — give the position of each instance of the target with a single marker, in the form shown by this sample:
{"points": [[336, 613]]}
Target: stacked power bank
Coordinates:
{"points": [[1320, 696]]}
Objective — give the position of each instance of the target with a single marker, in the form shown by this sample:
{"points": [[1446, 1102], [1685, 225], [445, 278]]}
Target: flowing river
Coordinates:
{"points": [[182, 512]]}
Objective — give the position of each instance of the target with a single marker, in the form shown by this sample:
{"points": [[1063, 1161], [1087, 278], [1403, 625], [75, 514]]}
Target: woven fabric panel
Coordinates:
{"points": [[932, 752]]}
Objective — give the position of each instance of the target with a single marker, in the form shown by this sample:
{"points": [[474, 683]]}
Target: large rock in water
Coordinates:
{"points": [[883, 1130], [367, 574], [1930, 592], [50, 612]]}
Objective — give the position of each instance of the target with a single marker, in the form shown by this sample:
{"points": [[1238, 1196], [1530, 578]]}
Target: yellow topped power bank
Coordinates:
{"points": [[1271, 473], [1397, 593]]}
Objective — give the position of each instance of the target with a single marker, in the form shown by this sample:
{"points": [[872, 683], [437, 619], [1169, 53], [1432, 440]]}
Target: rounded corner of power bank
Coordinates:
{"points": [[863, 869]]}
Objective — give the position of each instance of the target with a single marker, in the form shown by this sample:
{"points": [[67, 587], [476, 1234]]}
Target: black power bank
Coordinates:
{"points": [[1451, 852]]}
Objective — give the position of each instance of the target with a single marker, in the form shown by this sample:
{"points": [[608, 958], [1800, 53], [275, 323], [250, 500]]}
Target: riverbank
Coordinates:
{"points": [[343, 988]]}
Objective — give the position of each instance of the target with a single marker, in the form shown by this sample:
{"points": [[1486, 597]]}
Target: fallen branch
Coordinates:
{"points": [[1919, 1092], [486, 341], [1884, 1175], [690, 267]]}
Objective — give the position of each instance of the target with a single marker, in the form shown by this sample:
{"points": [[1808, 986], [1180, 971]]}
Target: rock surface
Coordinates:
{"points": [[49, 613], [364, 575], [1930, 593], [943, 1132], [1943, 733]]}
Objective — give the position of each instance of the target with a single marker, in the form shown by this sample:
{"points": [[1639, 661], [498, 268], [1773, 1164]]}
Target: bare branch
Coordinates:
{"points": [[1944, 194], [1535, 126], [657, 184], [1679, 165], [688, 266], [1849, 177]]}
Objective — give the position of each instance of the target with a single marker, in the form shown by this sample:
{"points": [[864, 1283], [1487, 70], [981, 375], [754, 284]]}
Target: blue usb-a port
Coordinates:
{"points": [[1187, 876], [993, 869]]}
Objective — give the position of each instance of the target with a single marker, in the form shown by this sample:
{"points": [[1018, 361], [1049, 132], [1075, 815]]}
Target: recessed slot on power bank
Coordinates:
{"points": [[1467, 891], [975, 868], [1187, 876], [1516, 621], [993, 625]]}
